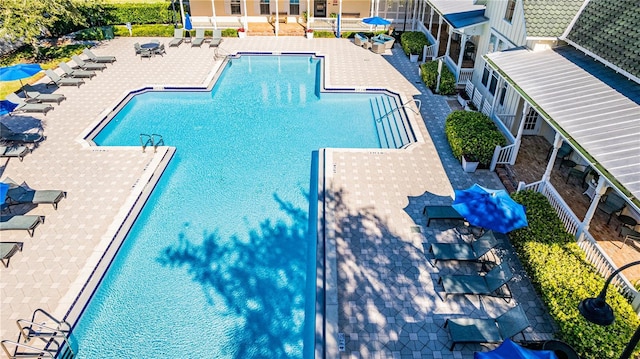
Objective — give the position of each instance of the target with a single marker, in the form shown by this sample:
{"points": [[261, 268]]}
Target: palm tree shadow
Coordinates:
{"points": [[259, 279]]}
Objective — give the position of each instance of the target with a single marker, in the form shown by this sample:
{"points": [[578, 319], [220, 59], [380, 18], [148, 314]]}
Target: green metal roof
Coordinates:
{"points": [[549, 18], [610, 29]]}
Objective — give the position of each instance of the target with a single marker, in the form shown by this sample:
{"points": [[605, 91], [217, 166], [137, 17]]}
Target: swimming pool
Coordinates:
{"points": [[220, 262]]}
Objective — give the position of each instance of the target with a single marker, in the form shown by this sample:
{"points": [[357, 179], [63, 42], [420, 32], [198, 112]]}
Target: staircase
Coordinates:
{"points": [[390, 122]]}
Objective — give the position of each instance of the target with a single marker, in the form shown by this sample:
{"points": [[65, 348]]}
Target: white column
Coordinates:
{"points": [[557, 143], [213, 11], [601, 189], [525, 110], [182, 12], [463, 43], [246, 23], [438, 38], [515, 152], [413, 15], [431, 19], [446, 52], [372, 10], [308, 12]]}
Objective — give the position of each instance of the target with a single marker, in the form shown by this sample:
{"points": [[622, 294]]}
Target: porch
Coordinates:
{"points": [[529, 168]]}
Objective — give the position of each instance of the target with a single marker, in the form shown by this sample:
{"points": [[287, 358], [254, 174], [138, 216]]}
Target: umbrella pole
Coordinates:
{"points": [[23, 90]]}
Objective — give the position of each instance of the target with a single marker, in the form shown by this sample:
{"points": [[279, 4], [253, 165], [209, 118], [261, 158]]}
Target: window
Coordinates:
{"points": [[492, 44], [503, 94], [494, 82], [485, 75], [235, 7], [294, 7], [264, 7], [511, 7], [490, 79]]}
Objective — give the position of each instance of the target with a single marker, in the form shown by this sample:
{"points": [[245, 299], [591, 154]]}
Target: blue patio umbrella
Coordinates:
{"points": [[6, 107], [510, 350], [19, 72], [187, 22], [490, 209], [376, 20], [4, 187]]}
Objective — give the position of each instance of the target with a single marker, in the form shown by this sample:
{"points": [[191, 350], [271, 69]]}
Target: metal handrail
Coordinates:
{"points": [[418, 103], [37, 352], [156, 143], [51, 317], [28, 332], [145, 143]]}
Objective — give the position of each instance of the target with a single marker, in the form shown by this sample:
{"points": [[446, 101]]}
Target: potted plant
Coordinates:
{"points": [[309, 33], [241, 33], [469, 163]]}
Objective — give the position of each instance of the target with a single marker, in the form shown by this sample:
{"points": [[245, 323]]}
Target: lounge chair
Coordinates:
{"points": [[91, 57], [14, 151], [612, 204], [178, 38], [440, 212], [464, 251], [362, 40], [216, 39], [33, 95], [629, 234], [24, 106], [7, 250], [76, 74], [59, 81], [470, 330], [90, 66], [199, 39], [6, 134], [493, 283], [386, 40], [20, 222], [20, 194]]}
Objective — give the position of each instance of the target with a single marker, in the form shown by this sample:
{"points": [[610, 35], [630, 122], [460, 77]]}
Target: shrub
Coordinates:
{"points": [[473, 134], [429, 72], [153, 30], [413, 42], [559, 272], [137, 13]]}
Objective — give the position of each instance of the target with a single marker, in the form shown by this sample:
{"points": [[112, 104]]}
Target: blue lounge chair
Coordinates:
{"points": [[463, 251], [494, 283]]}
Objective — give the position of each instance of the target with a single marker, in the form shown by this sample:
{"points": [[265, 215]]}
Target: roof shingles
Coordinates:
{"points": [[610, 29], [549, 18]]}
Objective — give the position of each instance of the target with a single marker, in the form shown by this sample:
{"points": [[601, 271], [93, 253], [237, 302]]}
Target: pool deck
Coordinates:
{"points": [[388, 305]]}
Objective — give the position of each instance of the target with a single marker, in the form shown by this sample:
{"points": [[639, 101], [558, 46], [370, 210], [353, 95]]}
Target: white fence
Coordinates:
{"points": [[594, 253], [465, 75]]}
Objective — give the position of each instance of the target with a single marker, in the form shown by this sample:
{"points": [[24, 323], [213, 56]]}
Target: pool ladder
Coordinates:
{"points": [[41, 337], [153, 139]]}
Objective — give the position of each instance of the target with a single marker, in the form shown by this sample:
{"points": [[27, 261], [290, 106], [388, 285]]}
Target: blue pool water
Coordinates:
{"points": [[216, 265]]}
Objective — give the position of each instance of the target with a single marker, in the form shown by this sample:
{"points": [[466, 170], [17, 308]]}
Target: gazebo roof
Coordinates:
{"points": [[595, 108]]}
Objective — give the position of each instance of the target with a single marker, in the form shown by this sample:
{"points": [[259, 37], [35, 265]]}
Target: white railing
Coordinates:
{"points": [[477, 98], [605, 266], [465, 75], [504, 155], [594, 253], [468, 88], [507, 120], [486, 108], [430, 51]]}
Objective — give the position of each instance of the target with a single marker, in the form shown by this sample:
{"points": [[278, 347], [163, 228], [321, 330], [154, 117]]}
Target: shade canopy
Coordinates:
{"points": [[510, 350], [376, 20], [4, 187], [19, 71], [490, 209], [187, 22]]}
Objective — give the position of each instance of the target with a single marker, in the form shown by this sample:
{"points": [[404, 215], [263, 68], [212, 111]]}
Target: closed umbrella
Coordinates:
{"points": [[187, 22], [490, 209], [510, 350]]}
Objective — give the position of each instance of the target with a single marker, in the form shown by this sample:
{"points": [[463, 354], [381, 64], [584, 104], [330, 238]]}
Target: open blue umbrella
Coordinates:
{"points": [[490, 209], [187, 22], [510, 350], [19, 72], [4, 187], [376, 20]]}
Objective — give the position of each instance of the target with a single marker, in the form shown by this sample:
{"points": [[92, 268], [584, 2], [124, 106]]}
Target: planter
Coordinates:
{"points": [[309, 35], [462, 101], [469, 166], [414, 57], [242, 34]]}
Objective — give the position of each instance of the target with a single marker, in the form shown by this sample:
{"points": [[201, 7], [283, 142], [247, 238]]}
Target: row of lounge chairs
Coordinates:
{"points": [[198, 40], [493, 283], [21, 194]]}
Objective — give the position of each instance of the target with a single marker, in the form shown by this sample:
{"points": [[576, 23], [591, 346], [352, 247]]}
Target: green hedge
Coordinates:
{"points": [[429, 71], [137, 13], [473, 134], [559, 272], [413, 42]]}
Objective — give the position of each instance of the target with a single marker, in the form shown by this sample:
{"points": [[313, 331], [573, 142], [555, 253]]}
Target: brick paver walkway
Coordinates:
{"points": [[389, 303]]}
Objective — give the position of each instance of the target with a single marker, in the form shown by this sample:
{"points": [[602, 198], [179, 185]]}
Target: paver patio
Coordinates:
{"points": [[389, 303]]}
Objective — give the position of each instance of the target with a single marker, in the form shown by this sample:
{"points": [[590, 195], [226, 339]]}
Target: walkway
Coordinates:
{"points": [[389, 304]]}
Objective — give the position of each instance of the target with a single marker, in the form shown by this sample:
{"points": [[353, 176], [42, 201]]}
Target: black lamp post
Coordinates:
{"points": [[596, 310]]}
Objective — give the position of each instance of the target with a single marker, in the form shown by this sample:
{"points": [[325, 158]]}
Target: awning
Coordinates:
{"points": [[460, 13], [594, 108]]}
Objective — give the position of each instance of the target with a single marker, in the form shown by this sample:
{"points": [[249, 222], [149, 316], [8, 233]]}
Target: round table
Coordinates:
{"points": [[627, 221], [561, 349], [150, 46]]}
